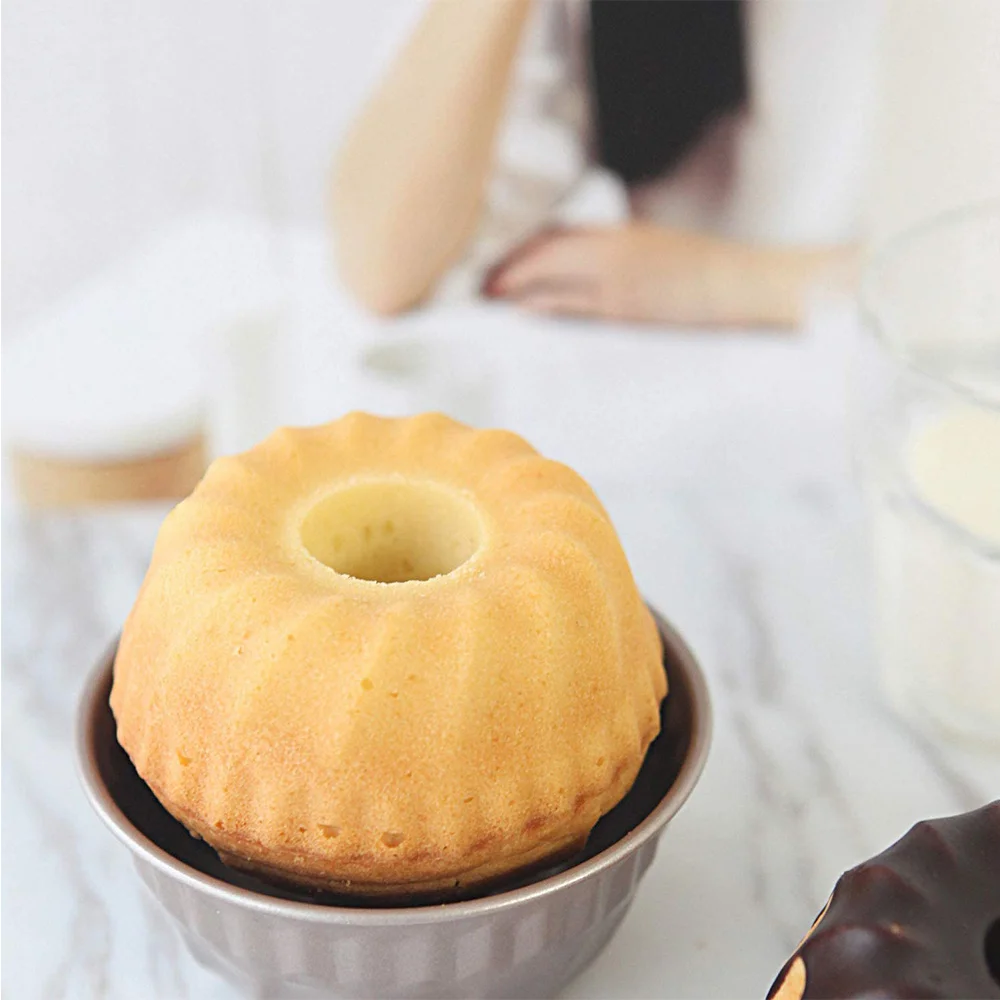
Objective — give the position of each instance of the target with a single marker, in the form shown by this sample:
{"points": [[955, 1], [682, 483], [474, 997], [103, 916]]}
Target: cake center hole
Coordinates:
{"points": [[391, 532], [992, 946]]}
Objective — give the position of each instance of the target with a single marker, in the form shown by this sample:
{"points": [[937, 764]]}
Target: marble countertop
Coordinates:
{"points": [[724, 461]]}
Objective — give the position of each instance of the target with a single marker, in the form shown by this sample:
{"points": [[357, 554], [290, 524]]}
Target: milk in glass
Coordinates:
{"points": [[937, 553]]}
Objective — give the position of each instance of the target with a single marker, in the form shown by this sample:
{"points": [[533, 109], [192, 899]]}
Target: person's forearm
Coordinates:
{"points": [[410, 178], [644, 272], [777, 283]]}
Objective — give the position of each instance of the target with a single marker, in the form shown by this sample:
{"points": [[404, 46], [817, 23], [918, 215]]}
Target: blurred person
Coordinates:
{"points": [[737, 131]]}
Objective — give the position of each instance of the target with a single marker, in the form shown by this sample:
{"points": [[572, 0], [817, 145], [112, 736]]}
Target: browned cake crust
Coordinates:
{"points": [[389, 657]]}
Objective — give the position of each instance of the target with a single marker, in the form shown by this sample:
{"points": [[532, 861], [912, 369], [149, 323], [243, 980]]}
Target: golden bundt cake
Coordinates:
{"points": [[388, 657]]}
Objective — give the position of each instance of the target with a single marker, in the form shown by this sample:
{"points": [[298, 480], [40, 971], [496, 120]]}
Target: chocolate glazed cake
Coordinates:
{"points": [[921, 919]]}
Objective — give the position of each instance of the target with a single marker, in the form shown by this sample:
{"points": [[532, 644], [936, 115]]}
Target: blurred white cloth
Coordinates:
{"points": [[790, 169], [152, 351]]}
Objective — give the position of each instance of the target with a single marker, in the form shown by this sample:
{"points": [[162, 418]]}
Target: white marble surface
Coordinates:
{"points": [[724, 462]]}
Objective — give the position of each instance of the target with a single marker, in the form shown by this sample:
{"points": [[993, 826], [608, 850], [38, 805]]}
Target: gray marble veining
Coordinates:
{"points": [[741, 524]]}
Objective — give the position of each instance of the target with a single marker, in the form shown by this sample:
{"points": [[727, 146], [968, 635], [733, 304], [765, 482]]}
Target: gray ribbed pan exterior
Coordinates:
{"points": [[528, 942]]}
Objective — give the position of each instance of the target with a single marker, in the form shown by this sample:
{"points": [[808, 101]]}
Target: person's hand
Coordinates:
{"points": [[648, 273]]}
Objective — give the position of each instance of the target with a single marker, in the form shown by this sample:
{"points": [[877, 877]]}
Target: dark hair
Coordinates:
{"points": [[661, 71]]}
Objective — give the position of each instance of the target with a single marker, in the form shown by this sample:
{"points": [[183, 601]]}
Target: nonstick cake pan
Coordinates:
{"points": [[523, 939]]}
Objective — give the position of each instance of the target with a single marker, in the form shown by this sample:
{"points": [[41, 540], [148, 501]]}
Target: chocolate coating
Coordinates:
{"points": [[921, 919]]}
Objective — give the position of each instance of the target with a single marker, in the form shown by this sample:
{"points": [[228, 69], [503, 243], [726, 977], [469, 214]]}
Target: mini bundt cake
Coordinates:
{"points": [[921, 919], [389, 656]]}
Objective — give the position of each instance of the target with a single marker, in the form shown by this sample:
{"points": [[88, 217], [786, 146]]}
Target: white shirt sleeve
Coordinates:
{"points": [[805, 146]]}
